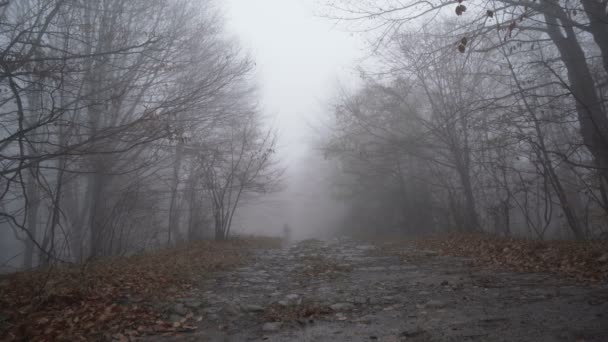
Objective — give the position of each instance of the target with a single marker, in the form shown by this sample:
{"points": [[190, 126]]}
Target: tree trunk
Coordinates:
{"points": [[33, 204], [193, 206], [97, 183], [598, 25], [592, 119], [173, 228], [471, 221]]}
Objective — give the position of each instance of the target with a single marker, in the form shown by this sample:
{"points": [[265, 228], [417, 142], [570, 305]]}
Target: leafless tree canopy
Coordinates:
{"points": [[482, 116], [125, 125], [128, 125]]}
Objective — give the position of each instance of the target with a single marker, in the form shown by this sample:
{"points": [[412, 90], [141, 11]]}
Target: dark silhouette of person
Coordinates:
{"points": [[286, 234]]}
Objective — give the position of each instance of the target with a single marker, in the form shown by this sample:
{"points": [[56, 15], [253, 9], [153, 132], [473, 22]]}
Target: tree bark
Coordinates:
{"points": [[592, 119], [173, 228]]}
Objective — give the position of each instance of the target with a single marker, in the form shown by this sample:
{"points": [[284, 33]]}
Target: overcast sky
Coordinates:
{"points": [[301, 59]]}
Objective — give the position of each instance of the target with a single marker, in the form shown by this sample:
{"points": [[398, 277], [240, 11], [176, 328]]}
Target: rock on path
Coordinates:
{"points": [[343, 290]]}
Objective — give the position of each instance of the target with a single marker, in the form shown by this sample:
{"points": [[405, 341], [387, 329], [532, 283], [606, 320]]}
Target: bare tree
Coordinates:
{"points": [[106, 107], [242, 165], [513, 106]]}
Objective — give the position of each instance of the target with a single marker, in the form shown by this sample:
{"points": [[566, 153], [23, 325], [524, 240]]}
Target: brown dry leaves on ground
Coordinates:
{"points": [[110, 299], [585, 261]]}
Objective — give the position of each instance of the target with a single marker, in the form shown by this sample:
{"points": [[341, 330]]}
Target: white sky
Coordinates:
{"points": [[301, 59]]}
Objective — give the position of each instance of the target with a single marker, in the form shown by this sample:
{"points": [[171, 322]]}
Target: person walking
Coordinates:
{"points": [[286, 235]]}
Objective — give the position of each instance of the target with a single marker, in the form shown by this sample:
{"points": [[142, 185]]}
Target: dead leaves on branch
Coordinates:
{"points": [[463, 44], [460, 9], [111, 299], [583, 261]]}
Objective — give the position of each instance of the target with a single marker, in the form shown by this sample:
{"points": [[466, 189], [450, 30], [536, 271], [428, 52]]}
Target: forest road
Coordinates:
{"points": [[345, 290]]}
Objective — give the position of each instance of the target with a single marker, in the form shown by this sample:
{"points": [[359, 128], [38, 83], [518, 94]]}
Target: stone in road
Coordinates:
{"points": [[343, 290]]}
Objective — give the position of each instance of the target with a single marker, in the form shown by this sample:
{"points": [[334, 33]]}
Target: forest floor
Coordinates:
{"points": [[345, 290], [442, 289], [118, 298]]}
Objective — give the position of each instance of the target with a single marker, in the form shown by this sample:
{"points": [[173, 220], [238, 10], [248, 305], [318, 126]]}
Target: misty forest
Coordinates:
{"points": [[331, 170]]}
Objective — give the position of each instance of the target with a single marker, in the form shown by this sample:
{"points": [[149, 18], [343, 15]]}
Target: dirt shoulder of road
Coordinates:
{"points": [[113, 298], [583, 261]]}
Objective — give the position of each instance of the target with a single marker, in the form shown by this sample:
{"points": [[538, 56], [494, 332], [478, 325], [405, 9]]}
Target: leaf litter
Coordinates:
{"points": [[112, 299], [584, 261]]}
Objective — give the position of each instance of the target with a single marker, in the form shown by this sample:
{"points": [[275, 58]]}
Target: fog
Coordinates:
{"points": [[303, 170], [132, 125], [301, 60]]}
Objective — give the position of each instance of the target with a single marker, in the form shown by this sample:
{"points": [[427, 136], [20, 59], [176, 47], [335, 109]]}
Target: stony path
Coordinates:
{"points": [[341, 290]]}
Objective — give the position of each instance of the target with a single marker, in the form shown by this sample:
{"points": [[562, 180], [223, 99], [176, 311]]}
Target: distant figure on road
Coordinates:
{"points": [[286, 235]]}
